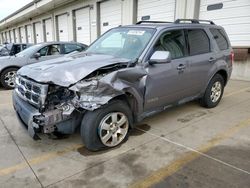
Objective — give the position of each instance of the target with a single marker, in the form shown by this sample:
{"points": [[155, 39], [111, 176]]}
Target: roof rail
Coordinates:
{"points": [[194, 21], [147, 21]]}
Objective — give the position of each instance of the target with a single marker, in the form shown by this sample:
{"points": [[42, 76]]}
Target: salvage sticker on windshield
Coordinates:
{"points": [[135, 32]]}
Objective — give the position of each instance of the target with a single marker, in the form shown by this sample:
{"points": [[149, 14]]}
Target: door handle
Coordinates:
{"points": [[211, 59], [181, 67]]}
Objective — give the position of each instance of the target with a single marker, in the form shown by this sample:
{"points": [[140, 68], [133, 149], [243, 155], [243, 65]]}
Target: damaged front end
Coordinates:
{"points": [[60, 109], [45, 108]]}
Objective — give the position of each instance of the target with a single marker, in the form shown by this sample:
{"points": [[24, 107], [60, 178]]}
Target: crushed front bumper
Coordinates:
{"points": [[53, 121], [26, 112]]}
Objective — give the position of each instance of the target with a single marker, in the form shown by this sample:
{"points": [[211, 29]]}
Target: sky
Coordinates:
{"points": [[9, 6]]}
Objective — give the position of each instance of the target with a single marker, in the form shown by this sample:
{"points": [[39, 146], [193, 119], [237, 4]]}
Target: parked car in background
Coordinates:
{"points": [[129, 73], [11, 49], [37, 53]]}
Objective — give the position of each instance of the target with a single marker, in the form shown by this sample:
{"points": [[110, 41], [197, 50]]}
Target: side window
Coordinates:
{"points": [[17, 49], [220, 38], [44, 51], [198, 42], [68, 48], [80, 48], [54, 49], [172, 41], [24, 46]]}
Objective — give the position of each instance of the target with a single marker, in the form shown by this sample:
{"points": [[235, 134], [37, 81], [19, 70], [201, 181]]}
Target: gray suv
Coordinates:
{"points": [[129, 73]]}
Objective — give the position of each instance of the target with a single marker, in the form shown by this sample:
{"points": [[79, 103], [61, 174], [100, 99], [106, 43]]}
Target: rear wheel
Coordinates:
{"points": [[106, 127], [8, 77], [213, 92]]}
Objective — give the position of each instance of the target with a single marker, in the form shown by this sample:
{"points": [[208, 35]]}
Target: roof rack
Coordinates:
{"points": [[147, 21], [195, 21]]}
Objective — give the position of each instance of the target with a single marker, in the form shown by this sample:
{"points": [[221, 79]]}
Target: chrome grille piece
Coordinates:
{"points": [[31, 91]]}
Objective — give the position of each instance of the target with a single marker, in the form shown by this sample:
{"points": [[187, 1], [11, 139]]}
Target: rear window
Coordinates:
{"points": [[198, 42], [220, 38]]}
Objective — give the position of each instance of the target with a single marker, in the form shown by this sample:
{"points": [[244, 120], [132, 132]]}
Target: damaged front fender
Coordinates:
{"points": [[95, 92]]}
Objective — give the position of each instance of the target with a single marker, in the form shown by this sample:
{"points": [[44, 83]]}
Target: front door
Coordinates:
{"points": [[168, 82], [47, 52]]}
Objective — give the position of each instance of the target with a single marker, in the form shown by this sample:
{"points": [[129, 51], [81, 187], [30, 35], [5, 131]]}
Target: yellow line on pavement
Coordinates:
{"points": [[169, 170], [38, 160]]}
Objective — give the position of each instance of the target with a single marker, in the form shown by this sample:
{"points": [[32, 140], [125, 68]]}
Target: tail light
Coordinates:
{"points": [[232, 57]]}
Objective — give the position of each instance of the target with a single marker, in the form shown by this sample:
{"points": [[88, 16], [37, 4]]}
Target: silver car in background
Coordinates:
{"points": [[37, 53]]}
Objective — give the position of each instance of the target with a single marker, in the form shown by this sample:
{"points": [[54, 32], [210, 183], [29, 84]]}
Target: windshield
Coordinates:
{"points": [[29, 51], [123, 42]]}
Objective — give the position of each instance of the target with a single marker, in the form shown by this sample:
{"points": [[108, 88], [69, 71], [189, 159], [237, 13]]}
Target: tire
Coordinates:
{"points": [[98, 123], [214, 92], [7, 78]]}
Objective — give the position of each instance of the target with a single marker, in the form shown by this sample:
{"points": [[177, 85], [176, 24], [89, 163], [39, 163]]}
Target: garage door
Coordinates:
{"points": [[12, 36], [63, 29], [17, 35], [110, 14], [38, 32], [48, 30], [7, 36], [158, 10], [29, 34], [234, 16], [82, 25], [22, 33]]}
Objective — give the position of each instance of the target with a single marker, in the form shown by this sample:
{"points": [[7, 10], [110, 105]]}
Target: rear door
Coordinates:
{"points": [[168, 82], [201, 59]]}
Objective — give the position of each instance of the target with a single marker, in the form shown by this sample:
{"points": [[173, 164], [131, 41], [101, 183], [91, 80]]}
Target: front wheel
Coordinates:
{"points": [[106, 127], [8, 77], [214, 92]]}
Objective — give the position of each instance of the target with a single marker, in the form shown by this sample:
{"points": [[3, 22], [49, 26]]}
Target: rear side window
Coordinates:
{"points": [[220, 38], [198, 42], [68, 48]]}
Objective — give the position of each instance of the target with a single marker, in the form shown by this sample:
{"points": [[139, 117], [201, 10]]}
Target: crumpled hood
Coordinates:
{"points": [[68, 70]]}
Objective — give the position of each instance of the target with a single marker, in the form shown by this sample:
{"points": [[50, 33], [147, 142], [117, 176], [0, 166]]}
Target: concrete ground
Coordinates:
{"points": [[187, 146]]}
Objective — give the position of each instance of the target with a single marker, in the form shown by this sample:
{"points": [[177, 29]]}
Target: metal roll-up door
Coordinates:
{"points": [[22, 33], [12, 36], [48, 30], [62, 26], [7, 36], [38, 32], [17, 35], [110, 14], [82, 25], [29, 33], [157, 10], [234, 16]]}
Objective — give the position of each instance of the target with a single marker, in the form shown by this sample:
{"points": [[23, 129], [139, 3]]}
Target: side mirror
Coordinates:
{"points": [[37, 55], [160, 57]]}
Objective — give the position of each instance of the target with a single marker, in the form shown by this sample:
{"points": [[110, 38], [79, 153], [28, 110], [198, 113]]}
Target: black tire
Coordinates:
{"points": [[206, 100], [2, 78], [92, 120]]}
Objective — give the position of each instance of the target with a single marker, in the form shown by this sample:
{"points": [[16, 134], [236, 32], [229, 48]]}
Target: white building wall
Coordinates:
{"points": [[234, 16]]}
